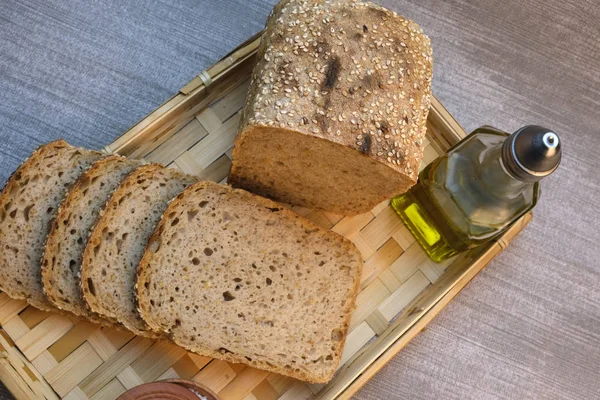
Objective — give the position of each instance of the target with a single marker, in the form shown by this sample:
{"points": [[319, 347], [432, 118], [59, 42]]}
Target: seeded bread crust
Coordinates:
{"points": [[336, 113], [265, 251], [117, 242], [28, 204], [78, 213]]}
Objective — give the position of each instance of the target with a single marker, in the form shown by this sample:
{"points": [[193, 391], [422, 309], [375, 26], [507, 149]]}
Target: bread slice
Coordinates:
{"points": [[117, 243], [336, 112], [78, 213], [28, 204], [231, 275]]}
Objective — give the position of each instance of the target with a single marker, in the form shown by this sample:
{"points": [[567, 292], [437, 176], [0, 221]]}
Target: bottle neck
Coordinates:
{"points": [[495, 177]]}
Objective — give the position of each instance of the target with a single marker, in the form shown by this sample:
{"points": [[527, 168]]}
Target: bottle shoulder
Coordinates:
{"points": [[471, 185]]}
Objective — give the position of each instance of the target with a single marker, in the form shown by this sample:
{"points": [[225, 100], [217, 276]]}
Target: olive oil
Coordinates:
{"points": [[473, 193]]}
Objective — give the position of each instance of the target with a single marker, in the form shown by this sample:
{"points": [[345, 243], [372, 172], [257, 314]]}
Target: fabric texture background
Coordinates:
{"points": [[529, 325]]}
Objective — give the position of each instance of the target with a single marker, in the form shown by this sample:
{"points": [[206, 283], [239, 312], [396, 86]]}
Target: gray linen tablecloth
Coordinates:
{"points": [[529, 325]]}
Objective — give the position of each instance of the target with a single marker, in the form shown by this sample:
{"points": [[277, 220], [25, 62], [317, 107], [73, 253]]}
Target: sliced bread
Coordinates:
{"points": [[28, 203], [231, 275], [78, 213], [336, 112], [117, 243]]}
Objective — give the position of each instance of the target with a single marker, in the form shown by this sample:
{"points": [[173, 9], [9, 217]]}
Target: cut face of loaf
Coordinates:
{"points": [[117, 243], [337, 108], [238, 277], [28, 204], [61, 265]]}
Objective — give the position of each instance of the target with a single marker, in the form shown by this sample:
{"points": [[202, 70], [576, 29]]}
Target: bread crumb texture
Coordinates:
{"points": [[234, 276]]}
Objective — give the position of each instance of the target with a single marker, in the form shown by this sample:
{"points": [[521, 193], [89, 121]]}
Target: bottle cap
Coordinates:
{"points": [[531, 153]]}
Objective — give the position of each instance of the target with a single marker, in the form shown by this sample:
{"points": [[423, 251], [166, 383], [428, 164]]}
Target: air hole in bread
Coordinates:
{"points": [[175, 222], [26, 211], [227, 296], [13, 214], [192, 214], [154, 245], [208, 251], [196, 261], [269, 281], [237, 279], [337, 335], [203, 204], [119, 246], [91, 288], [72, 266]]}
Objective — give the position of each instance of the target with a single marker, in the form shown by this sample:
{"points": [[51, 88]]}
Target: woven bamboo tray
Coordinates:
{"points": [[51, 356]]}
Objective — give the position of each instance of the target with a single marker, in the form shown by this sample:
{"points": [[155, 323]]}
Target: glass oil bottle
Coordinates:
{"points": [[473, 193]]}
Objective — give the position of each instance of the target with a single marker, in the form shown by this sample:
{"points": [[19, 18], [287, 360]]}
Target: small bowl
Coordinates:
{"points": [[170, 389]]}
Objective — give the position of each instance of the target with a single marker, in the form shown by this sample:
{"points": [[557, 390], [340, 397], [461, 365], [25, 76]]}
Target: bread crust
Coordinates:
{"points": [[349, 72]]}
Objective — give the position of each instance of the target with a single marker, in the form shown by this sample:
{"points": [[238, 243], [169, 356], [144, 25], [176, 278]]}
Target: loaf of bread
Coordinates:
{"points": [[117, 243], [231, 275], [28, 204], [61, 264], [337, 108]]}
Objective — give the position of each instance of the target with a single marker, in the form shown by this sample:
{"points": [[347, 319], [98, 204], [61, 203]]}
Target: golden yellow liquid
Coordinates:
{"points": [[418, 213]]}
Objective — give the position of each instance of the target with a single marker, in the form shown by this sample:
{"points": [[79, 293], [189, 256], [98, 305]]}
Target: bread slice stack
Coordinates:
{"points": [[217, 270], [118, 241], [78, 213]]}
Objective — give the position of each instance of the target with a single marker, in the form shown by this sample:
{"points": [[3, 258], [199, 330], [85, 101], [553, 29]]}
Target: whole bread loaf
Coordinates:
{"points": [[337, 109], [78, 213], [28, 204], [234, 276], [117, 243]]}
